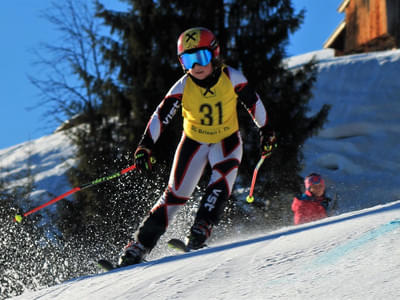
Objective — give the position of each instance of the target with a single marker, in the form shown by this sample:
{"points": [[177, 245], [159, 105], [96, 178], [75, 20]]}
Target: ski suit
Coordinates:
{"points": [[210, 135], [308, 208]]}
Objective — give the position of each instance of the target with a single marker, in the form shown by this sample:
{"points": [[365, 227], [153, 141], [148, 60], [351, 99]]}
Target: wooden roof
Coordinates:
{"points": [[335, 34], [343, 6]]}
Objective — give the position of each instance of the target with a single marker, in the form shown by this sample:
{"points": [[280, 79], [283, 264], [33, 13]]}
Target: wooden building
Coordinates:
{"points": [[369, 25]]}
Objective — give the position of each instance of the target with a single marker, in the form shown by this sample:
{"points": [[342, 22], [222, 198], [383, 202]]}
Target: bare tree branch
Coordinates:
{"points": [[73, 65]]}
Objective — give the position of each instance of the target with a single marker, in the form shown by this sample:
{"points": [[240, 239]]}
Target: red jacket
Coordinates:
{"points": [[308, 208]]}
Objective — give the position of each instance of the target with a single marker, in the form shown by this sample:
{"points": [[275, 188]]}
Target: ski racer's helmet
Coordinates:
{"points": [[313, 178], [197, 45]]}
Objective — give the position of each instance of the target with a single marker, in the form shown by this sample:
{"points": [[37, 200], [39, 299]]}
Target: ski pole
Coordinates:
{"points": [[18, 218], [250, 197]]}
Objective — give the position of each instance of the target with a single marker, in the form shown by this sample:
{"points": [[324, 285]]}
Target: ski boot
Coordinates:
{"points": [[134, 253], [199, 233]]}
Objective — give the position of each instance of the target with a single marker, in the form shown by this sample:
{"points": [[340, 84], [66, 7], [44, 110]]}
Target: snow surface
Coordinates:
{"points": [[351, 256], [358, 149], [48, 158]]}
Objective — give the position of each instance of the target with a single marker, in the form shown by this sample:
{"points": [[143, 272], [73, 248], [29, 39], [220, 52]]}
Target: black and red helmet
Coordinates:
{"points": [[312, 179]]}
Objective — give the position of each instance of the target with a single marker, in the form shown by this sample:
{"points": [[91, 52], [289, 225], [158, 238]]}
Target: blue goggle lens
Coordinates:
{"points": [[201, 57]]}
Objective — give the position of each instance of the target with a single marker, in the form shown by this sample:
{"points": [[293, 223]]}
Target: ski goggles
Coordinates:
{"points": [[201, 57]]}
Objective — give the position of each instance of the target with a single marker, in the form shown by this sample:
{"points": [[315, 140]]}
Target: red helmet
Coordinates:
{"points": [[198, 38], [312, 179]]}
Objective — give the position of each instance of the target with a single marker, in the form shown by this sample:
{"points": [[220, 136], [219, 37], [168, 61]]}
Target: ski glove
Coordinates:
{"points": [[143, 159], [268, 142]]}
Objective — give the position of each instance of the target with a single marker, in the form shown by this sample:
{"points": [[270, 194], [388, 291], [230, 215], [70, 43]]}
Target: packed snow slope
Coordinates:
{"points": [[351, 256]]}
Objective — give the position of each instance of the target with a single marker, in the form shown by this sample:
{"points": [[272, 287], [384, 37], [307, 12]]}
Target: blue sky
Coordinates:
{"points": [[23, 29]]}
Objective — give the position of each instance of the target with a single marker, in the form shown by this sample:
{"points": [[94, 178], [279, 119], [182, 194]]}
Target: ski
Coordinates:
{"points": [[106, 265], [180, 245]]}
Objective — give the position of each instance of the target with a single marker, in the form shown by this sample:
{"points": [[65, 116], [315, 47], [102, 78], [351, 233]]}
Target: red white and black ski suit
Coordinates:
{"points": [[210, 135]]}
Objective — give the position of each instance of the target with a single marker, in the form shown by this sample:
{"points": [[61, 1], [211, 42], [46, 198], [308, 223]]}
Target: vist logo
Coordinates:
{"points": [[171, 113], [212, 199]]}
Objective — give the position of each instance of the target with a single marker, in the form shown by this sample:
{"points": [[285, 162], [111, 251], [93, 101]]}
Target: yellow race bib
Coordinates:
{"points": [[209, 114]]}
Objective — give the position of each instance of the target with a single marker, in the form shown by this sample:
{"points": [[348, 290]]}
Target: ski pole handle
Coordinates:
{"points": [[250, 198], [18, 218]]}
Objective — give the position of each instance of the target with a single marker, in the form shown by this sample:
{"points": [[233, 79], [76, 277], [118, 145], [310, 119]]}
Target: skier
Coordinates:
{"points": [[207, 94], [312, 204]]}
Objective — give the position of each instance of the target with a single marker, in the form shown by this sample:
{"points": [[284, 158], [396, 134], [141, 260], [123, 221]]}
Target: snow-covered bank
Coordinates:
{"points": [[352, 256], [356, 150], [47, 158]]}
